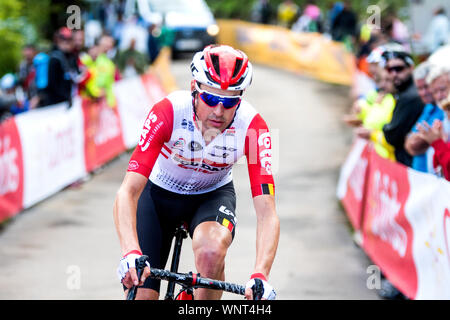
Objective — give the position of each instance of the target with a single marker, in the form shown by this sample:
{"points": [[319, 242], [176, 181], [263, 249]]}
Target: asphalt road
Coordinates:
{"points": [[66, 246]]}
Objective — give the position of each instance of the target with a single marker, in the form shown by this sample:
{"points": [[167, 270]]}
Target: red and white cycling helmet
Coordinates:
{"points": [[222, 67]]}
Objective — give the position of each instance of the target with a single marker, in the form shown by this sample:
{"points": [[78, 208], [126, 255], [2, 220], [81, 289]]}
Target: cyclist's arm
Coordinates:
{"points": [[258, 151], [125, 210], [267, 233], [157, 129]]}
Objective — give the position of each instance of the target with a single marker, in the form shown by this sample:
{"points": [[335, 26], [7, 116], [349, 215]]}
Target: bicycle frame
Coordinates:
{"points": [[180, 234]]}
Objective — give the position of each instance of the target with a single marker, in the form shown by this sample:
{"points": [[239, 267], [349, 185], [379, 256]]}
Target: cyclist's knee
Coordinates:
{"points": [[211, 252]]}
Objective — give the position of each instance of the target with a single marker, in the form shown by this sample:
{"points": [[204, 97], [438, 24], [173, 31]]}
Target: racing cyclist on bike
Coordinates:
{"points": [[181, 171]]}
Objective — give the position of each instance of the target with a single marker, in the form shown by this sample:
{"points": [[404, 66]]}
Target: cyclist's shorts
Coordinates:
{"points": [[160, 212]]}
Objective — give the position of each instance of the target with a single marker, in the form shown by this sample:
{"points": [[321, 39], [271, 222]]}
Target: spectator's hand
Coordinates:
{"points": [[433, 133], [352, 120], [415, 145], [362, 132], [34, 102]]}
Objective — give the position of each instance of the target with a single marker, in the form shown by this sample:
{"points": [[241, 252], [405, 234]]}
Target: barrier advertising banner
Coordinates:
{"points": [[405, 222], [102, 133], [11, 169], [52, 146], [352, 182]]}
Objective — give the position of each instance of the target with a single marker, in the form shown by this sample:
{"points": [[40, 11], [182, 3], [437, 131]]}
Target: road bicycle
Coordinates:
{"points": [[187, 281]]}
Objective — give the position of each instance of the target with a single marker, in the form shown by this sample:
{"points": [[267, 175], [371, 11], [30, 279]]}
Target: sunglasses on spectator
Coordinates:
{"points": [[396, 69], [212, 99]]}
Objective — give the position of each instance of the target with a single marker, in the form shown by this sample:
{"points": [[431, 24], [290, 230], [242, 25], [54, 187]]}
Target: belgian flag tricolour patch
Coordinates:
{"points": [[267, 188]]}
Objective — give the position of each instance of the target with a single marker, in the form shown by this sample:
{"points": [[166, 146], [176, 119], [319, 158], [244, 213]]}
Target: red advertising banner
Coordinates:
{"points": [[387, 233], [102, 133], [11, 170]]}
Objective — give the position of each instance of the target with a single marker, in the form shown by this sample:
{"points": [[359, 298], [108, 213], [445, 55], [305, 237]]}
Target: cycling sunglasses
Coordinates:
{"points": [[396, 69], [213, 100]]}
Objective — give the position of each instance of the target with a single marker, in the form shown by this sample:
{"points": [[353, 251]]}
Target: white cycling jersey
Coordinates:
{"points": [[173, 153]]}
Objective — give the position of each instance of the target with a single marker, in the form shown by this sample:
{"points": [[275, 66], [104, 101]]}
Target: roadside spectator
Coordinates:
{"points": [[26, 72], [9, 86], [7, 98], [372, 112], [409, 105], [331, 14], [438, 30], [106, 71], [414, 144], [131, 62], [261, 12], [309, 21], [118, 29], [79, 46], [396, 30], [89, 86], [153, 45], [287, 13], [344, 25], [108, 15], [61, 71]]}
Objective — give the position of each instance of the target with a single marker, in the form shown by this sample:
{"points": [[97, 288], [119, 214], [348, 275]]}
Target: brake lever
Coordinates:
{"points": [[140, 266], [258, 289]]}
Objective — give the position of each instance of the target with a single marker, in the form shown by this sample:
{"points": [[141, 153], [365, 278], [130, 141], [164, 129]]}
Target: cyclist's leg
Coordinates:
{"points": [[155, 238], [212, 231]]}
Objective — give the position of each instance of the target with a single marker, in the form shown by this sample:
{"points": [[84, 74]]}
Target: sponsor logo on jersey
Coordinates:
{"points": [[195, 146], [147, 126], [133, 165], [265, 154], [187, 124], [226, 211], [230, 131], [224, 155], [179, 144]]}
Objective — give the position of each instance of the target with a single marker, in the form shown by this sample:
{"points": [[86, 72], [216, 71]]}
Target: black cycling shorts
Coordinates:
{"points": [[160, 212]]}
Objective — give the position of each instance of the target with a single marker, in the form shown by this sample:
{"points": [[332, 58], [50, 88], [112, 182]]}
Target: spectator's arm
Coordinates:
{"points": [[403, 118]]}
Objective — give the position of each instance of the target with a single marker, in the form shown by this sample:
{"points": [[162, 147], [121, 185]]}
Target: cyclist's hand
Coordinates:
{"points": [[127, 270], [259, 289]]}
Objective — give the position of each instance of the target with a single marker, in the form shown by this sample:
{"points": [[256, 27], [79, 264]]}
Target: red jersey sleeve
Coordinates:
{"points": [[442, 156], [157, 129], [258, 150]]}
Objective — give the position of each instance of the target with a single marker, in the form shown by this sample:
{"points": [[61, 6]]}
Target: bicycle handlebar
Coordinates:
{"points": [[184, 279]]}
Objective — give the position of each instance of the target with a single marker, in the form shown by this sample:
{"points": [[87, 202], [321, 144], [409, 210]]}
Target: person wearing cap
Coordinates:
{"points": [[181, 170], [409, 105], [62, 70]]}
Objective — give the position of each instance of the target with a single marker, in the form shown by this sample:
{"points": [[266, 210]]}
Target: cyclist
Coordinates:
{"points": [[181, 171]]}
